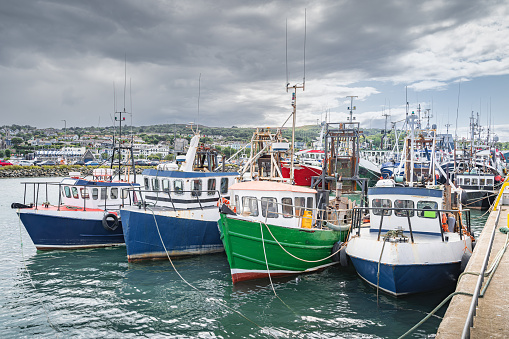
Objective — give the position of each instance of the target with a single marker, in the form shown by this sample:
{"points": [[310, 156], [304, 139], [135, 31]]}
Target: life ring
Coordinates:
{"points": [[110, 222], [445, 226], [223, 201]]}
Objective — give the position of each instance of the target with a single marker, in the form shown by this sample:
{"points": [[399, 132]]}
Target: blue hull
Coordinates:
{"points": [[53, 232], [181, 236], [407, 279]]}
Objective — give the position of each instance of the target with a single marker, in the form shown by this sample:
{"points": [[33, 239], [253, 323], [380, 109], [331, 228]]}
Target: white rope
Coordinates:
{"points": [[268, 271], [218, 301], [30, 277], [304, 260]]}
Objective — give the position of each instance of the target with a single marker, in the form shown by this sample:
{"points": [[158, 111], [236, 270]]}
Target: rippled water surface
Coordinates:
{"points": [[96, 293]]}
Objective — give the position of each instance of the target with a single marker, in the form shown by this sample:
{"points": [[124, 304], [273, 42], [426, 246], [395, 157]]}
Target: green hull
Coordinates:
{"points": [[243, 244]]}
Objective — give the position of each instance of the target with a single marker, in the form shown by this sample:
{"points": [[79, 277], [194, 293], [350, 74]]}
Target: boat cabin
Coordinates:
{"points": [[98, 193], [398, 205], [185, 190], [275, 203], [476, 180]]}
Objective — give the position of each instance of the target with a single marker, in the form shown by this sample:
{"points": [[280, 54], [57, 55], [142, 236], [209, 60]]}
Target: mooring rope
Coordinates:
{"points": [[268, 271], [218, 301], [30, 277], [491, 271], [378, 271], [304, 260]]}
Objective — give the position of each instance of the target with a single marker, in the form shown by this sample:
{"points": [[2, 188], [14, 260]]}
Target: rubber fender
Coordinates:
{"points": [[110, 222], [464, 260], [343, 257], [16, 205], [337, 245]]}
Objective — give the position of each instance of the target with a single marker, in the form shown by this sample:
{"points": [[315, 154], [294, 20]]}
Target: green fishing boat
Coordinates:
{"points": [[272, 228]]}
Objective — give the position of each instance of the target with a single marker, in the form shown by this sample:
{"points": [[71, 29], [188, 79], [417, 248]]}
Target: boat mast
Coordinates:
{"points": [[294, 113], [411, 121], [294, 97]]}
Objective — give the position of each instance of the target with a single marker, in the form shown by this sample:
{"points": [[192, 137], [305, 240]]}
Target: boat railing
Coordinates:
{"points": [[124, 193], [171, 195], [318, 218], [359, 214]]}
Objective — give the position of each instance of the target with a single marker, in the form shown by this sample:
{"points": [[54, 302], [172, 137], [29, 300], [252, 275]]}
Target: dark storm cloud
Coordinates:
{"points": [[61, 57]]}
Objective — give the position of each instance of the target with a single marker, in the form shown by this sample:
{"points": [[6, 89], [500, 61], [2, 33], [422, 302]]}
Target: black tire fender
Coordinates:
{"points": [[110, 222]]}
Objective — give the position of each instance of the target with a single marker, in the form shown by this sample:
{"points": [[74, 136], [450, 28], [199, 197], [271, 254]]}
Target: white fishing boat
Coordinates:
{"points": [[412, 243]]}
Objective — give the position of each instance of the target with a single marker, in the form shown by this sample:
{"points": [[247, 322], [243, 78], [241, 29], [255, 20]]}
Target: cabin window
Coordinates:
{"points": [[196, 187], [178, 186], [74, 192], [166, 185], [489, 182], [482, 182], [114, 193], [95, 193], [269, 207], [67, 191], [104, 193], [155, 184], [84, 193], [309, 204], [466, 181], [211, 186], [287, 207], [124, 192], [432, 206], [237, 203], [403, 204], [147, 186], [384, 203], [224, 185], [475, 181], [300, 203], [249, 206]]}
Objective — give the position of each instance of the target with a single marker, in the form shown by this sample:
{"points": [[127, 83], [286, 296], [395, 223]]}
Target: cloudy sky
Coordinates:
{"points": [[225, 62]]}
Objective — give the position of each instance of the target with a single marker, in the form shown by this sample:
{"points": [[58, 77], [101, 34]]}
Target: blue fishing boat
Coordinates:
{"points": [[84, 216], [179, 211], [411, 244], [84, 212]]}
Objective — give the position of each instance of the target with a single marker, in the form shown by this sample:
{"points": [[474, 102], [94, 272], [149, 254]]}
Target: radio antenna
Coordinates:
{"points": [[199, 93], [286, 39], [305, 31]]}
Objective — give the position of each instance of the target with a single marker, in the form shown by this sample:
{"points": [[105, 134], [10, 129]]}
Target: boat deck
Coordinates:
{"points": [[492, 314]]}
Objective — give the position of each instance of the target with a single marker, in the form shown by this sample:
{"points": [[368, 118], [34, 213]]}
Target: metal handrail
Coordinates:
{"points": [[469, 322], [36, 189], [382, 210]]}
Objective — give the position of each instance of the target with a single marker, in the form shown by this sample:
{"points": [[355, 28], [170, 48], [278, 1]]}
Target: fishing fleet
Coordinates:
{"points": [[285, 212]]}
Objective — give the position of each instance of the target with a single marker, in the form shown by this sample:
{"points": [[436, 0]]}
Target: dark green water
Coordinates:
{"points": [[97, 294]]}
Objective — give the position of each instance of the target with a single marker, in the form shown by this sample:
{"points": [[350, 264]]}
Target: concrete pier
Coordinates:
{"points": [[492, 314]]}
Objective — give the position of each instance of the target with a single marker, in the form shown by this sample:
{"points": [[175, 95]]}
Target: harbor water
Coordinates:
{"points": [[97, 294]]}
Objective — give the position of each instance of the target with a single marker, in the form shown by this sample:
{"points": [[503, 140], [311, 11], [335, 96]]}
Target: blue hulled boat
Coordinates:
{"points": [[412, 244], [86, 215], [179, 211]]}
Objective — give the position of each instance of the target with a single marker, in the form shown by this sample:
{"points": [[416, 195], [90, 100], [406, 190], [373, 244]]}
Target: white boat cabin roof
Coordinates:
{"points": [[270, 186]]}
